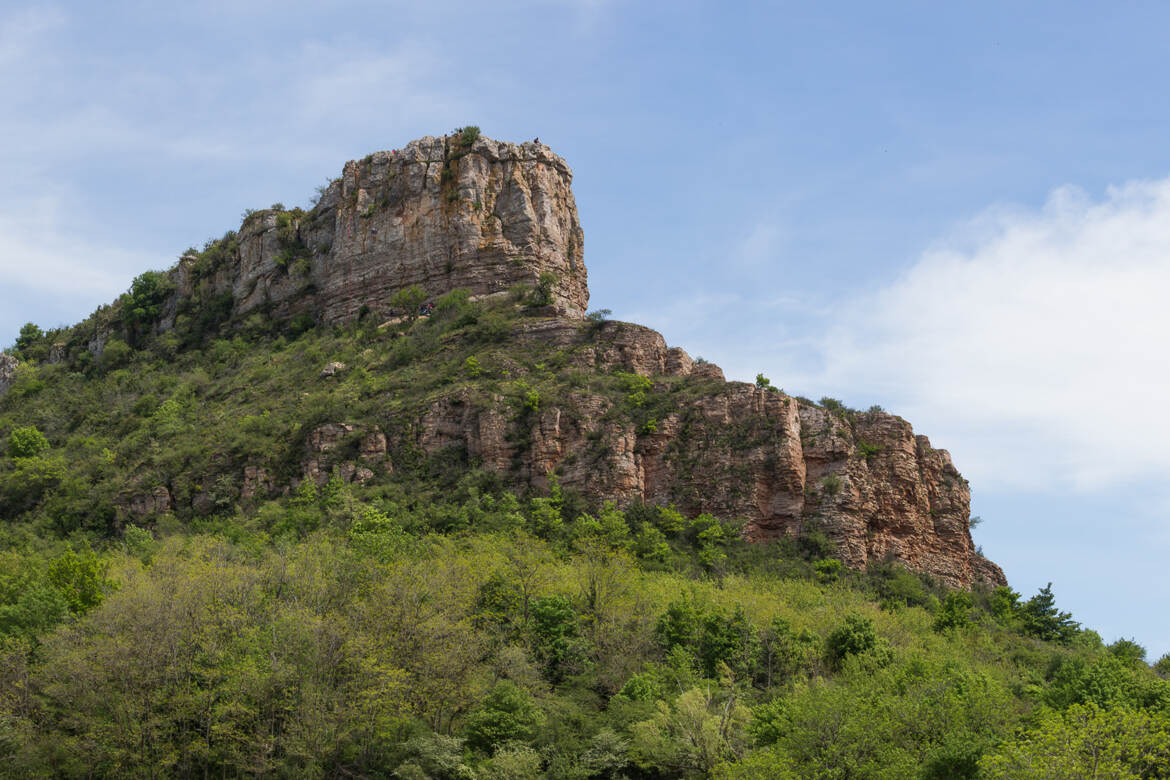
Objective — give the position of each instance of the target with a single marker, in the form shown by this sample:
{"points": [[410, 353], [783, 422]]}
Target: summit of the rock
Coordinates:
{"points": [[441, 213]]}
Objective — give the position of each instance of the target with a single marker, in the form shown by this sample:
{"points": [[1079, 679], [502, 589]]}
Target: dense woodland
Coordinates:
{"points": [[436, 623]]}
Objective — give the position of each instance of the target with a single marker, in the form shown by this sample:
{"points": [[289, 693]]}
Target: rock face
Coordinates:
{"points": [[732, 449], [7, 371], [439, 213]]}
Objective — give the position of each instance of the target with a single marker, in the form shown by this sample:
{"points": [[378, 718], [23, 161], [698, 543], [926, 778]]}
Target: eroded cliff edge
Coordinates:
{"points": [[490, 217]]}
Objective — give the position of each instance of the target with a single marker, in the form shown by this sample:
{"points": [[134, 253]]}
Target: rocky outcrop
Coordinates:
{"points": [[141, 506], [735, 450], [439, 213], [8, 365], [335, 448]]}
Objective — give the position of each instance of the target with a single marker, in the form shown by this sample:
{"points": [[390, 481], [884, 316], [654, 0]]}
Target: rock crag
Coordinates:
{"points": [[440, 213], [732, 449]]}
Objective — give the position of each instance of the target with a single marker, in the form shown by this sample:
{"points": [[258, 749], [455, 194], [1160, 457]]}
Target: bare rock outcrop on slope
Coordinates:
{"points": [[732, 449]]}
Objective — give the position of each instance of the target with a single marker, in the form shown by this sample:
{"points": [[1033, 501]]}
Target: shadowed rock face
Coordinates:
{"points": [[437, 214]]}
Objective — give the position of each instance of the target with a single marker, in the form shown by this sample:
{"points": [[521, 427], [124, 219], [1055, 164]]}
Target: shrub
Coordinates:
{"points": [[466, 136], [26, 442], [855, 637], [955, 611], [142, 304], [407, 301], [831, 485], [833, 405], [542, 295], [115, 354], [766, 384], [1043, 620], [828, 569], [30, 334]]}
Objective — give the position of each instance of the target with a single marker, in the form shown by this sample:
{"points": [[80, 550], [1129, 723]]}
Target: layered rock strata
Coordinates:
{"points": [[483, 216], [735, 450]]}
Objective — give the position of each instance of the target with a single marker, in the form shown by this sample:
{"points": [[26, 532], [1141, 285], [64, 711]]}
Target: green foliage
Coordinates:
{"points": [[1040, 618], [1128, 651], [26, 442], [598, 316], [542, 294], [507, 714], [81, 579], [856, 637], [30, 337], [408, 300], [828, 569], [764, 383], [955, 611], [466, 136], [143, 303], [288, 238], [1085, 741], [833, 405], [867, 450], [115, 354]]}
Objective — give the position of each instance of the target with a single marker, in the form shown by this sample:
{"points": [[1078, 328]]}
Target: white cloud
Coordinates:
{"points": [[1034, 345]]}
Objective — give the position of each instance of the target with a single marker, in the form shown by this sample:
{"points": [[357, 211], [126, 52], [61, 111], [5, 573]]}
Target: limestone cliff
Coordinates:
{"points": [[440, 213]]}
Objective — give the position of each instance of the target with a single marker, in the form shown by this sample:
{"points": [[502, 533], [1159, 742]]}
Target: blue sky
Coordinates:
{"points": [[958, 211]]}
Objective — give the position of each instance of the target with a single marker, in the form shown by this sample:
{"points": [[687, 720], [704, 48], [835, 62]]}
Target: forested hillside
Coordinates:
{"points": [[223, 557]]}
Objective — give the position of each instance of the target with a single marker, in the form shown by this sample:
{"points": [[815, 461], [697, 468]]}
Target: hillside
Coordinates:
{"points": [[489, 231], [365, 491]]}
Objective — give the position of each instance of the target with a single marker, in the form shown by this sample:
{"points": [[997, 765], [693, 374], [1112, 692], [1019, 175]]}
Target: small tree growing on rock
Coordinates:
{"points": [[408, 300]]}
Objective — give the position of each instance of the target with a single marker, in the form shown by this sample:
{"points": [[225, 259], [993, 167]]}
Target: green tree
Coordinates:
{"points": [[506, 714], [1085, 741], [26, 442], [696, 732], [553, 627], [408, 300], [143, 303], [1041, 618], [856, 636], [955, 611], [30, 335]]}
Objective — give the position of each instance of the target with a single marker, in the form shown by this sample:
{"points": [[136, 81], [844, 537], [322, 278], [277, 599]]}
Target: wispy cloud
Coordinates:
{"points": [[1035, 342]]}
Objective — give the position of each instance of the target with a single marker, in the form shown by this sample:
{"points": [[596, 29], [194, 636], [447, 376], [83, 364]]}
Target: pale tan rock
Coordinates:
{"points": [[8, 365], [433, 214], [332, 369]]}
